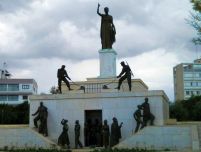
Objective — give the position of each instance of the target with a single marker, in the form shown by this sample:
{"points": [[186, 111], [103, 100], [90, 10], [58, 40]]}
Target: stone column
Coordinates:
{"points": [[107, 59]]}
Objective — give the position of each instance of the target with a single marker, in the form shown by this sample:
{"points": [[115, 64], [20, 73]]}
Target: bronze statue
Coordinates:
{"points": [[107, 30], [77, 134], [106, 134], [137, 116], [98, 126], [127, 75], [115, 132], [93, 134], [87, 133], [42, 117], [147, 115], [61, 75], [63, 138]]}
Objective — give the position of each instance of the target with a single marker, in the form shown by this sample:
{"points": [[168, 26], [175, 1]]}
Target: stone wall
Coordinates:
{"points": [[21, 136], [176, 137], [121, 105]]}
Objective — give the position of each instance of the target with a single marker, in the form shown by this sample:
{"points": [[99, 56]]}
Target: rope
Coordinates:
{"points": [[108, 82], [97, 83], [75, 83]]}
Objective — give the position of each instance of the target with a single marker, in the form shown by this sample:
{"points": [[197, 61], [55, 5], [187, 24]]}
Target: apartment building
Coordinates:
{"points": [[187, 80], [15, 91]]}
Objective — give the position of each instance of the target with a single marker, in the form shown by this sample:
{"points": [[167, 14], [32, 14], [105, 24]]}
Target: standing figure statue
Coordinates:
{"points": [[98, 126], [63, 138], [87, 132], [106, 134], [147, 115], [127, 75], [42, 114], [61, 75], [107, 30], [115, 132], [77, 134], [137, 116]]}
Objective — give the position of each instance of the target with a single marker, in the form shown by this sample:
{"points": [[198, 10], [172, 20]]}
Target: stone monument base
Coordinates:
{"points": [[101, 106], [172, 137], [96, 85], [22, 137], [107, 63]]}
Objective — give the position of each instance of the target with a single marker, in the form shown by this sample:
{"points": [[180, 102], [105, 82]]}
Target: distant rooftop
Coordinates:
{"points": [[14, 81], [197, 61]]}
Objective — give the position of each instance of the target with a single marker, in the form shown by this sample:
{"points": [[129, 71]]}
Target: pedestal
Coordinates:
{"points": [[107, 63]]}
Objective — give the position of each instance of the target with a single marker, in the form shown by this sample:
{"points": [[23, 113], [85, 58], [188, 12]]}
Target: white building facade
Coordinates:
{"points": [[15, 91], [187, 80]]}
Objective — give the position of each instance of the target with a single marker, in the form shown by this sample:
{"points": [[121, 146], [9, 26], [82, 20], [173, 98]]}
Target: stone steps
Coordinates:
{"points": [[46, 139], [173, 137], [199, 133], [21, 136], [82, 150]]}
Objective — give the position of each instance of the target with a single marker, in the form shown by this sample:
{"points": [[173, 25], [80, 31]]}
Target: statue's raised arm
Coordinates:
{"points": [[98, 10], [107, 30]]}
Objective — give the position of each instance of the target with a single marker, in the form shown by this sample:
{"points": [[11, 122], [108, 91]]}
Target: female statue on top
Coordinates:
{"points": [[107, 30]]}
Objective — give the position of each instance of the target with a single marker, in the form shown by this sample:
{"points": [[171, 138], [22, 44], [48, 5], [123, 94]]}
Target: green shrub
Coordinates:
{"points": [[40, 150], [14, 114], [186, 110], [124, 150]]}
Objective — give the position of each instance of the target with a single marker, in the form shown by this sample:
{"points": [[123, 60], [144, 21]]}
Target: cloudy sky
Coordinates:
{"points": [[38, 36]]}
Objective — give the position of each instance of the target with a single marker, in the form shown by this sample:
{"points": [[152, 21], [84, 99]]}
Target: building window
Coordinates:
{"points": [[187, 84], [196, 66], [198, 92], [13, 87], [13, 98], [188, 75], [25, 97], [3, 98], [187, 93], [196, 75], [25, 86], [3, 87], [194, 84]]}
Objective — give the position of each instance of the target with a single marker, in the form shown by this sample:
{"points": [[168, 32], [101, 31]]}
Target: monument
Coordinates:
{"points": [[96, 99], [107, 55]]}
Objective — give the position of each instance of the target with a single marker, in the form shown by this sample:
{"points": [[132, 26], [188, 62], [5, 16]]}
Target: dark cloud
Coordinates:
{"points": [[70, 29], [10, 6], [38, 36]]}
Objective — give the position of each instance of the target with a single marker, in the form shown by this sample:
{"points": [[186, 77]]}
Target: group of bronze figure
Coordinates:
{"points": [[143, 119], [95, 133], [107, 34], [125, 74], [98, 134], [63, 139], [42, 114]]}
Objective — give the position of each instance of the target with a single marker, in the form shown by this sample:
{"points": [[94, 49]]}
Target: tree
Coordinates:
{"points": [[195, 20], [53, 90], [178, 111], [187, 109], [196, 5], [14, 114]]}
